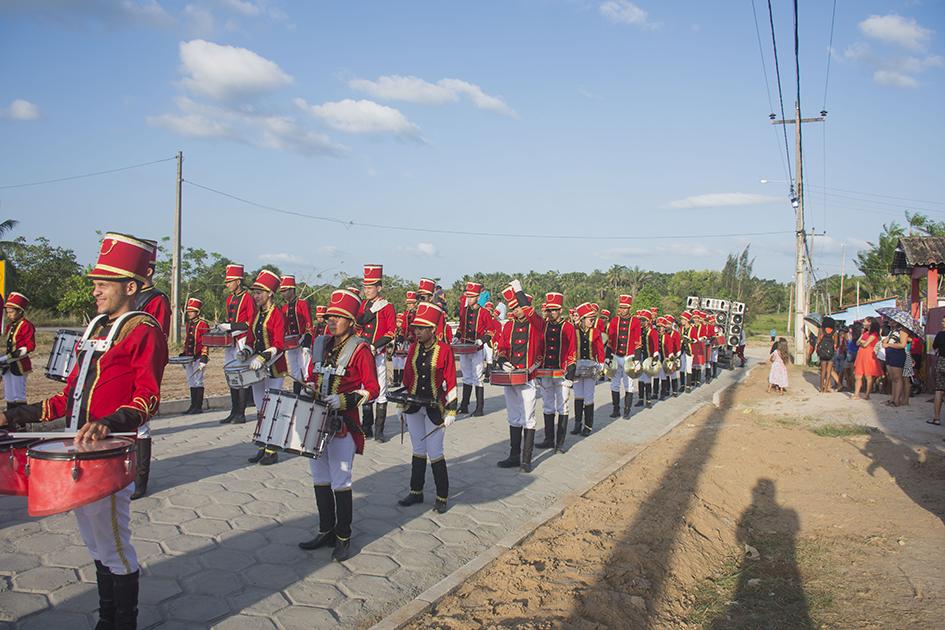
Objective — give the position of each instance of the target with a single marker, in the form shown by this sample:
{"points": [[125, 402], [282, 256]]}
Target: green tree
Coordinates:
{"points": [[38, 269], [76, 297]]}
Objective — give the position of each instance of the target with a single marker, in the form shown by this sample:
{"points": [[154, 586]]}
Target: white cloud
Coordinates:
{"points": [[715, 200], [624, 12], [198, 20], [416, 90], [894, 79], [242, 6], [888, 69], [895, 29], [283, 258], [361, 116], [21, 109], [428, 250], [228, 72]]}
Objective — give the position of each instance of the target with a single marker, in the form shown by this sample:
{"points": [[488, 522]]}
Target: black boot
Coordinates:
{"points": [[528, 445], [143, 449], [549, 441], [685, 383], [196, 401], [665, 389], [561, 432], [418, 469], [676, 387], [648, 392], [515, 449], [379, 422], [125, 588], [258, 456], [464, 403], [343, 510], [628, 405], [442, 481], [641, 389], [106, 597], [480, 402], [269, 457], [615, 399], [588, 420], [239, 417], [234, 403], [367, 420], [655, 386], [296, 388], [578, 415], [325, 503]]}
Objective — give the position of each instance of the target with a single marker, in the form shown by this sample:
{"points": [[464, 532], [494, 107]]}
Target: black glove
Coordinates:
{"points": [[608, 354], [182, 354], [638, 354], [204, 359], [306, 340], [569, 373]]}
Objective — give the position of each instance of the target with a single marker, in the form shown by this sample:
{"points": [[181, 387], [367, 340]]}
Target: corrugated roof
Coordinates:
{"points": [[918, 251]]}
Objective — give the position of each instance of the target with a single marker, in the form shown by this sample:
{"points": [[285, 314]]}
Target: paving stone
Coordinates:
{"points": [[212, 582], [13, 563], [462, 537], [216, 510], [242, 540], [154, 589], [55, 619], [171, 515], [189, 500], [39, 543], [226, 559], [416, 540], [371, 564], [196, 608], [80, 597], [316, 594], [205, 527], [72, 557], [370, 587], [44, 579], [232, 498], [256, 601], [156, 532], [173, 566], [185, 543], [245, 622], [280, 554], [15, 605], [305, 618], [252, 523], [272, 576]]}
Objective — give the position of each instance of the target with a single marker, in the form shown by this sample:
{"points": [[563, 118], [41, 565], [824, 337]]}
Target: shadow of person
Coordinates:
{"points": [[769, 592]]}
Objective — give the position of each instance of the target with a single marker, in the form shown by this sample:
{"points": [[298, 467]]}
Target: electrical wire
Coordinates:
{"points": [[833, 20], [777, 68], [403, 228], [764, 71], [96, 173]]}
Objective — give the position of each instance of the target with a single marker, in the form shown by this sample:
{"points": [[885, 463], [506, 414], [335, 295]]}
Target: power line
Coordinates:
{"points": [[833, 19], [403, 228], [869, 194], [777, 69], [96, 173], [764, 71]]}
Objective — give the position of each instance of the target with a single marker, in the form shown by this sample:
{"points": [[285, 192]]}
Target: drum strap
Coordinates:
{"points": [[88, 348], [344, 357]]}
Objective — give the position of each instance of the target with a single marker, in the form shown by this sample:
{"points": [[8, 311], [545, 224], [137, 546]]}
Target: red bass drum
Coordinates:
{"points": [[13, 465]]}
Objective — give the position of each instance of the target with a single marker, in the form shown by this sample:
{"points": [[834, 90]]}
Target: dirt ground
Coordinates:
{"points": [[769, 512], [173, 387]]}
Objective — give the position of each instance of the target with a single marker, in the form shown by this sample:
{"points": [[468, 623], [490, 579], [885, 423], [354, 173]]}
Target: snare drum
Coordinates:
{"points": [[181, 360], [292, 341], [13, 465], [294, 424], [464, 348], [586, 368], [63, 354], [64, 475], [218, 339], [549, 373], [239, 375], [504, 379]]}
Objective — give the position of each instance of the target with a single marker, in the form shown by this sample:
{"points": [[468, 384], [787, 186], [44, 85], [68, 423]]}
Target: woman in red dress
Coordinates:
{"points": [[867, 365]]}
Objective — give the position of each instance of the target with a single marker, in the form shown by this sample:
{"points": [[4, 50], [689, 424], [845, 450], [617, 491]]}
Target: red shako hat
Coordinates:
{"points": [[428, 314], [344, 303], [17, 300], [122, 257], [426, 286], [411, 296], [320, 309], [585, 310], [508, 294], [625, 300], [373, 274], [473, 289], [234, 272], [267, 281], [194, 304], [554, 300], [605, 313], [288, 282]]}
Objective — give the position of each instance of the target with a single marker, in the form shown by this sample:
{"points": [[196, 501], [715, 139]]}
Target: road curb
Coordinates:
{"points": [[428, 598], [179, 406]]}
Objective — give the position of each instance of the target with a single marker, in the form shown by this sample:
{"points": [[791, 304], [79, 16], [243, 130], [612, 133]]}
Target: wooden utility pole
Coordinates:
{"points": [[175, 257], [800, 282]]}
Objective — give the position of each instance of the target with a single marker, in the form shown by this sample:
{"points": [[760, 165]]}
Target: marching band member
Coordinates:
{"points": [[685, 327], [623, 340], [378, 321], [488, 351], [675, 346], [650, 349], [425, 291], [697, 347], [589, 346], [21, 340], [521, 348], [712, 334], [474, 327], [240, 313], [405, 336], [157, 305], [343, 376], [430, 374], [559, 354], [266, 350], [604, 324], [298, 326], [193, 347], [123, 395], [319, 325]]}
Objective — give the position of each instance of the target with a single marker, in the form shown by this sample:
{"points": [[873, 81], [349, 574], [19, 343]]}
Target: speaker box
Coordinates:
{"points": [[733, 340], [721, 318], [738, 308], [723, 305], [735, 329], [692, 301], [737, 318]]}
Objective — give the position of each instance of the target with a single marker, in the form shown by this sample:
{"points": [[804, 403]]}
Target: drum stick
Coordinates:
{"points": [[432, 432], [56, 434]]}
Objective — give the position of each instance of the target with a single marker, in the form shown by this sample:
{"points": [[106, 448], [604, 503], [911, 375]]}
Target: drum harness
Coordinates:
{"points": [[338, 370]]}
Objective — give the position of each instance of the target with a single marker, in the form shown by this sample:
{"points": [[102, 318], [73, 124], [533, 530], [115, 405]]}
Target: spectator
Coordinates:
{"points": [[777, 375], [916, 351], [895, 346], [826, 347], [867, 366], [938, 347], [840, 358]]}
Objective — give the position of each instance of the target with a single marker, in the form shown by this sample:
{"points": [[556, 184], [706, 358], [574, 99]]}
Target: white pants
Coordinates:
{"points": [[194, 376], [685, 363], [105, 526], [14, 387], [259, 390], [295, 362], [554, 395], [621, 377], [584, 390], [714, 356], [398, 361], [419, 424], [380, 363], [520, 404], [229, 354], [335, 464], [472, 367], [487, 353]]}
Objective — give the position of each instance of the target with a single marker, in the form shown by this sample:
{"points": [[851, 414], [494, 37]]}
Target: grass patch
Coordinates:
{"points": [[761, 324], [841, 430]]}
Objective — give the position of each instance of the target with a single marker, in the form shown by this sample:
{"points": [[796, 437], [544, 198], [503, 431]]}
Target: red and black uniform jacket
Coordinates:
{"points": [[298, 320], [319, 328], [474, 324], [378, 329], [590, 344], [193, 341], [21, 334], [560, 345], [157, 305], [357, 386], [652, 342], [624, 335], [405, 332], [522, 342], [269, 339], [240, 313], [676, 341], [123, 384], [430, 374]]}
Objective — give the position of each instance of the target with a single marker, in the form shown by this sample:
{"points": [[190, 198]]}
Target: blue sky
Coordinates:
{"points": [[610, 118]]}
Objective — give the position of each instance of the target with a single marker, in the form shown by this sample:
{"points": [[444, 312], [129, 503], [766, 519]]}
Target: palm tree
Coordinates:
{"points": [[637, 279], [616, 276], [6, 226]]}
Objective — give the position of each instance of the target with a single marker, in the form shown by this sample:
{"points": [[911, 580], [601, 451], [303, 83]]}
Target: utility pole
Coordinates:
{"points": [[800, 282], [175, 257], [843, 257]]}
